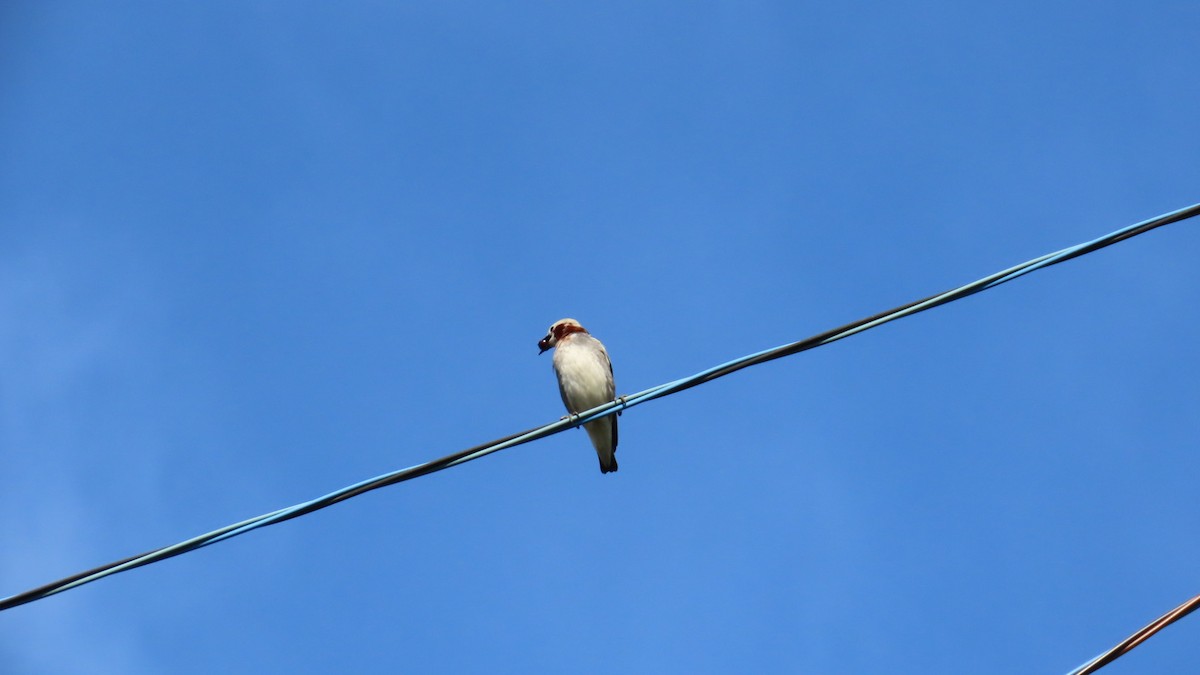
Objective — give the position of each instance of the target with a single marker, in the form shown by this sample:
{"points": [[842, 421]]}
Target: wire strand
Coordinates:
{"points": [[614, 407], [1126, 645]]}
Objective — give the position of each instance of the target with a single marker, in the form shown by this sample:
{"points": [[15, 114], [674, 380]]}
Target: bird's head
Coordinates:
{"points": [[559, 330]]}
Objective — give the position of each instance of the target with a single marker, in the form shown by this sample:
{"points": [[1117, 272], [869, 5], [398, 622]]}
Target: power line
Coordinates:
{"points": [[1126, 645], [610, 408]]}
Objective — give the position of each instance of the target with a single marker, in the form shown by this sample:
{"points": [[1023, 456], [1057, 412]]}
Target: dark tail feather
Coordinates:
{"points": [[603, 434], [611, 466]]}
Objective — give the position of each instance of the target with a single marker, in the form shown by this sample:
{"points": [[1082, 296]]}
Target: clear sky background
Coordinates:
{"points": [[254, 252]]}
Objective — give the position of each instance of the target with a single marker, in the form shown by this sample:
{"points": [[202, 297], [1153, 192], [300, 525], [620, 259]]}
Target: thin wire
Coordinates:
{"points": [[614, 407], [1126, 645]]}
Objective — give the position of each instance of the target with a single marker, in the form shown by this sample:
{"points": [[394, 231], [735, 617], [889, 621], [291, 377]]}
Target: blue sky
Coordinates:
{"points": [[253, 252]]}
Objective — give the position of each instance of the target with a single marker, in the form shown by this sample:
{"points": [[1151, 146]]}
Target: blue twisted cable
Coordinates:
{"points": [[598, 412]]}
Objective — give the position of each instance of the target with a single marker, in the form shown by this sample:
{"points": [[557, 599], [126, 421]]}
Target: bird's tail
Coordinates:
{"points": [[603, 434]]}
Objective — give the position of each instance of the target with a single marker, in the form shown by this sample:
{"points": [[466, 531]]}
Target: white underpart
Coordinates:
{"points": [[585, 376]]}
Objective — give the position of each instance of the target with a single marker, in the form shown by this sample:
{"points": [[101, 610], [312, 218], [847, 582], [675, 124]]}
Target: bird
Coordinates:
{"points": [[585, 380]]}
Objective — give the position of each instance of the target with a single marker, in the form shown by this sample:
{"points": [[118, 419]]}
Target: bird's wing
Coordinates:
{"points": [[611, 392]]}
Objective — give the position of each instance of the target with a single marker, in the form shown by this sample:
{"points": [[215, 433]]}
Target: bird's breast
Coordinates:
{"points": [[584, 376]]}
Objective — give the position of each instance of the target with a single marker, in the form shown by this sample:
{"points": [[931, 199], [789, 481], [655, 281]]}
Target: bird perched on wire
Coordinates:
{"points": [[585, 380]]}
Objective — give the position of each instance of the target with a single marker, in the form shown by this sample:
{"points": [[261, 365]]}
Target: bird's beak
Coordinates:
{"points": [[543, 345]]}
